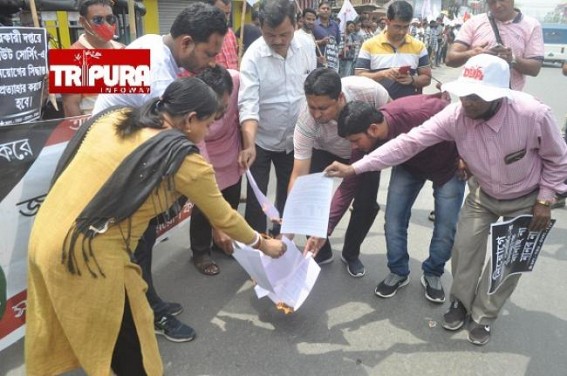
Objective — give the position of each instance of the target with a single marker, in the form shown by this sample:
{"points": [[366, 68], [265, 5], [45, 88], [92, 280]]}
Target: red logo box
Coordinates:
{"points": [[99, 71]]}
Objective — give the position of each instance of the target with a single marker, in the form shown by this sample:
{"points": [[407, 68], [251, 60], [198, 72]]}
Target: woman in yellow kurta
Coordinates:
{"points": [[86, 298]]}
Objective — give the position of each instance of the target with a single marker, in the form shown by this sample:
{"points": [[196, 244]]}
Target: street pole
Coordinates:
{"points": [[132, 20]]}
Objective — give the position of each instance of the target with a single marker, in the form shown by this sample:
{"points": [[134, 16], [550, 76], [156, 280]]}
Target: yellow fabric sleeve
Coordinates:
{"points": [[196, 180]]}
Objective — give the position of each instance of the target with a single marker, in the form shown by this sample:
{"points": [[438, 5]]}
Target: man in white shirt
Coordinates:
{"points": [[171, 54], [272, 70], [317, 143]]}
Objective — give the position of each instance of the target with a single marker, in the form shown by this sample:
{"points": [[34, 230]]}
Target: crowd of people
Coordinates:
{"points": [[437, 35], [301, 99]]}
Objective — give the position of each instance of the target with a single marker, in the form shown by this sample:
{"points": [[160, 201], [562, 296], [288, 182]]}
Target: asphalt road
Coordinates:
{"points": [[343, 328]]}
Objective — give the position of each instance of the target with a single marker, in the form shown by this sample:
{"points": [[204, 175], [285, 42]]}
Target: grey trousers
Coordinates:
{"points": [[471, 276]]}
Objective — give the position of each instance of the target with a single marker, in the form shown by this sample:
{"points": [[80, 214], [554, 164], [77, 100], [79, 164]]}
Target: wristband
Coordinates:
{"points": [[544, 203], [256, 242]]}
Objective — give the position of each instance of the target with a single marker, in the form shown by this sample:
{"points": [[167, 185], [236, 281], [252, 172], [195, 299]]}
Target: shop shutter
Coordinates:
{"points": [[168, 10]]}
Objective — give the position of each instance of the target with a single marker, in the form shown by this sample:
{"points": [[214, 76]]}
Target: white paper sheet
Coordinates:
{"points": [[308, 206], [288, 279], [267, 207]]}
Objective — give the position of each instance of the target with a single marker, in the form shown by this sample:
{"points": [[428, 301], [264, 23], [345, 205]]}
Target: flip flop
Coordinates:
{"points": [[206, 265]]}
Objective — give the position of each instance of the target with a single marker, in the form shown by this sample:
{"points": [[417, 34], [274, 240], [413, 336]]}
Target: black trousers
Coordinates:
{"points": [[127, 355], [143, 257], [260, 169], [200, 230], [364, 206]]}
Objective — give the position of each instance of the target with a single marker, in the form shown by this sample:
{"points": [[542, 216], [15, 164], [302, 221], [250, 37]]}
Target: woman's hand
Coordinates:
{"points": [[272, 247]]}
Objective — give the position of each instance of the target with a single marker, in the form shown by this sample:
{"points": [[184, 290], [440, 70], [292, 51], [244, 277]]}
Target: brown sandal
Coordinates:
{"points": [[206, 265]]}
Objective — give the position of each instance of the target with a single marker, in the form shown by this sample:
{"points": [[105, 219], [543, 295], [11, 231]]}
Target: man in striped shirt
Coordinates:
{"points": [[513, 148], [381, 57], [522, 41], [316, 144], [228, 56]]}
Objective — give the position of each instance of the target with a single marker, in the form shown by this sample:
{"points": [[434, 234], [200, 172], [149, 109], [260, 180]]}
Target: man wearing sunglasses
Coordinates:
{"points": [[99, 24]]}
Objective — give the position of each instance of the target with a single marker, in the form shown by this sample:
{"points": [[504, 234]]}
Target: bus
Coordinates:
{"points": [[555, 43]]}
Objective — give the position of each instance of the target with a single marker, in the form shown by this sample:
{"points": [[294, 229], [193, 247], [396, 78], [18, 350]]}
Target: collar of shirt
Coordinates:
{"points": [[383, 39], [516, 19], [318, 22], [496, 121], [266, 50]]}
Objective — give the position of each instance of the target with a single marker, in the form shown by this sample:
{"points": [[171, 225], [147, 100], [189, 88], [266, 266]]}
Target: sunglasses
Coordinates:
{"points": [[99, 20]]}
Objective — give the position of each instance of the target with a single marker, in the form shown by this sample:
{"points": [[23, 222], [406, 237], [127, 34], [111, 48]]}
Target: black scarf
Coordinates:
{"points": [[132, 182]]}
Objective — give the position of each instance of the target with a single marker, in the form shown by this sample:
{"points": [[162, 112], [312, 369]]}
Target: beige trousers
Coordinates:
{"points": [[471, 275]]}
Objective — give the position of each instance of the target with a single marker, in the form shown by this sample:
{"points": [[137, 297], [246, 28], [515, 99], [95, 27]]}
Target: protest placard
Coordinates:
{"points": [[514, 248], [23, 68]]}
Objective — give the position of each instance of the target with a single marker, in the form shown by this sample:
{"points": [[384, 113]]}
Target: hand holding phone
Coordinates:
{"points": [[404, 70]]}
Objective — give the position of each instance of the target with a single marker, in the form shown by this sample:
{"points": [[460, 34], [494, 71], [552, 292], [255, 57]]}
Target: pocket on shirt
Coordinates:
{"points": [[517, 171]]}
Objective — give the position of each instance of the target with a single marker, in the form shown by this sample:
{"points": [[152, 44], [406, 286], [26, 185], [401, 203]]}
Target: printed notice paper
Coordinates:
{"points": [[287, 280], [514, 248], [308, 205]]}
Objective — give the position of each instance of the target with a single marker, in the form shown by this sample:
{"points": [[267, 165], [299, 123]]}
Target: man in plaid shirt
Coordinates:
{"points": [[228, 56]]}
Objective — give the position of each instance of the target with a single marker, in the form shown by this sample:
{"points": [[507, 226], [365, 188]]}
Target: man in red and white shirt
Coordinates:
{"points": [[228, 56], [99, 24]]}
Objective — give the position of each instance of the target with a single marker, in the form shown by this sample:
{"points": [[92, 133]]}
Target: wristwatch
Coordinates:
{"points": [[544, 202]]}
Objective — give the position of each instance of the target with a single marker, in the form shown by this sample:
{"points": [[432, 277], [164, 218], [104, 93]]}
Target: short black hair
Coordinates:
{"points": [[401, 10], [323, 82], [274, 12], [309, 10], [199, 21], [218, 78], [356, 117], [85, 4]]}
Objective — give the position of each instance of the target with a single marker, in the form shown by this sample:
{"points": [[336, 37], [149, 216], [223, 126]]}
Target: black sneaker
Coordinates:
{"points": [[323, 258], [355, 267], [433, 288], [173, 329], [173, 309], [454, 318], [388, 287], [479, 334]]}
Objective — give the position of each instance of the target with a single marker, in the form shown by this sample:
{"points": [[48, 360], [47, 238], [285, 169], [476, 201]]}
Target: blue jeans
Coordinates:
{"points": [[402, 192]]}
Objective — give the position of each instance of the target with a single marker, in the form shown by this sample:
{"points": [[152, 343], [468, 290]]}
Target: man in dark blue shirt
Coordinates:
{"points": [[327, 36]]}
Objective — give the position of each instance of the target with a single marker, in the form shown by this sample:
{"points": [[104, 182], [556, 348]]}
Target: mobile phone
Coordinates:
{"points": [[405, 69]]}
